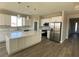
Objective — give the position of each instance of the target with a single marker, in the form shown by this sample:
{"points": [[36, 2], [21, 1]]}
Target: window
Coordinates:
{"points": [[19, 22], [76, 25], [15, 21]]}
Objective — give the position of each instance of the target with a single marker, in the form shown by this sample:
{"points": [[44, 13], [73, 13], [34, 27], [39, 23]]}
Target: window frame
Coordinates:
{"points": [[17, 20]]}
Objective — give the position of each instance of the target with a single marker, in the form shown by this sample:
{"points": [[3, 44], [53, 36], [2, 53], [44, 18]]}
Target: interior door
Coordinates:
{"points": [[35, 26]]}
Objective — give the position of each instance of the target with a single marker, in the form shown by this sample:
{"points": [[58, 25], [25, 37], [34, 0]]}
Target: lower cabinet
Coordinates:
{"points": [[13, 46], [16, 45]]}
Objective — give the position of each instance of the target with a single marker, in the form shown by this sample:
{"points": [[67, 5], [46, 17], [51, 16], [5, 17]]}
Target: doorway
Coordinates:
{"points": [[35, 26], [73, 27]]}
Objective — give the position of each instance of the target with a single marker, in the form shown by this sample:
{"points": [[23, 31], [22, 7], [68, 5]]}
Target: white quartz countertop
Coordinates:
{"points": [[19, 34]]}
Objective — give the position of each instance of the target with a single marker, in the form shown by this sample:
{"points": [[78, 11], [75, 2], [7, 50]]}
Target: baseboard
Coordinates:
{"points": [[63, 40]]}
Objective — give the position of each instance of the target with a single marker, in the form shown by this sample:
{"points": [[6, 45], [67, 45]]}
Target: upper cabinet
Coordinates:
{"points": [[57, 19], [46, 20], [5, 19], [52, 19], [28, 23]]}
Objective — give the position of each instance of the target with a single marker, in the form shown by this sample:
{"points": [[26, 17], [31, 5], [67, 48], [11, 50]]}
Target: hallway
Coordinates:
{"points": [[75, 44]]}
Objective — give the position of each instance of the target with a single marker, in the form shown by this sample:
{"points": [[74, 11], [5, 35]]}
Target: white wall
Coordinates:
{"points": [[64, 27], [67, 28]]}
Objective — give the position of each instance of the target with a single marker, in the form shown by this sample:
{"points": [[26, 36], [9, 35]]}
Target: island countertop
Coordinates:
{"points": [[20, 34]]}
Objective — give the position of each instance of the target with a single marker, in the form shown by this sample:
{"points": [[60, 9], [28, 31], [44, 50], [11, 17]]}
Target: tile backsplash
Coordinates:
{"points": [[9, 28]]}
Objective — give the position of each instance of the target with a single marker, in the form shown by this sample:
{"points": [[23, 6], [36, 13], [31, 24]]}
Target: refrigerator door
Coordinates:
{"points": [[52, 31], [56, 32]]}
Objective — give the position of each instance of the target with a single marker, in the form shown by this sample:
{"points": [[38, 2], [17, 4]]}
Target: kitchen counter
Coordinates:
{"points": [[18, 40], [19, 34]]}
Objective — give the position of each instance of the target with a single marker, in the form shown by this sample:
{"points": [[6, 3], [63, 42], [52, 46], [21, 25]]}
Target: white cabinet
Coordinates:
{"points": [[45, 21], [2, 38], [53, 19], [5, 19], [15, 45], [21, 43], [28, 22], [3, 32]]}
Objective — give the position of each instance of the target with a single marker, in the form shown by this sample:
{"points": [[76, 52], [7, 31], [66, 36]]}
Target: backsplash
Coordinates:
{"points": [[9, 28], [4, 26]]}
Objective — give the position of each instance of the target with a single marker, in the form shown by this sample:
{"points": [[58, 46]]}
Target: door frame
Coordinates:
{"points": [[74, 20], [37, 24]]}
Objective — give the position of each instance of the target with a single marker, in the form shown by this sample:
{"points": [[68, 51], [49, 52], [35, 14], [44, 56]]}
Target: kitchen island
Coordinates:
{"points": [[18, 40]]}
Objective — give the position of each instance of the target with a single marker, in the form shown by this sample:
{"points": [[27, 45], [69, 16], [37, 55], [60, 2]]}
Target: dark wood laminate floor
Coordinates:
{"points": [[47, 48]]}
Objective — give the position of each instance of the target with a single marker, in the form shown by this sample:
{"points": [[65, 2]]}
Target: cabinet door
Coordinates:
{"points": [[13, 46], [21, 43], [5, 19]]}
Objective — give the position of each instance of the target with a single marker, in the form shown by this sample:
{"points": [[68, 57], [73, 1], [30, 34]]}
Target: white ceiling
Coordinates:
{"points": [[42, 8]]}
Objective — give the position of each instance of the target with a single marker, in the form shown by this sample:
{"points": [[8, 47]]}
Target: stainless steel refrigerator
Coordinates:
{"points": [[55, 34]]}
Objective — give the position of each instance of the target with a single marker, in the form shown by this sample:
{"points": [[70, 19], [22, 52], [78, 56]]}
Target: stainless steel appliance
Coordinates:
{"points": [[44, 29], [55, 34]]}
